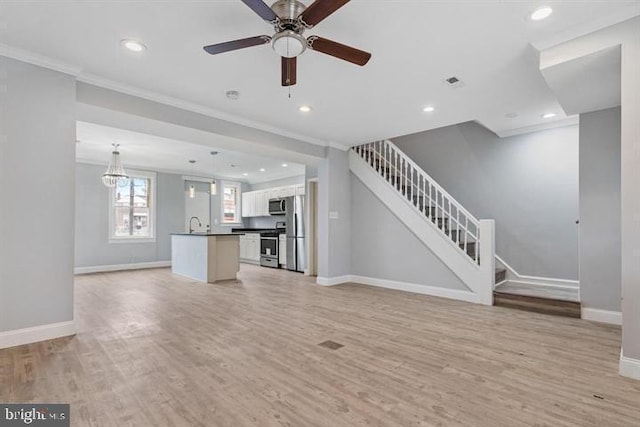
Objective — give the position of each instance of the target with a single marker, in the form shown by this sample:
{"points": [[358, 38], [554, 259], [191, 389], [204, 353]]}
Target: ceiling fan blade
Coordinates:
{"points": [[289, 71], [320, 9], [260, 7], [338, 50], [236, 44]]}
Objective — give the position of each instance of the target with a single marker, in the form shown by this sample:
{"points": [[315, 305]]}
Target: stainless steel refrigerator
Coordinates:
{"points": [[296, 249]]}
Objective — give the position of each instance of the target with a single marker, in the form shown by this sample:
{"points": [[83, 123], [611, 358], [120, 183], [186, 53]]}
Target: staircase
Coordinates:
{"points": [[461, 241]]}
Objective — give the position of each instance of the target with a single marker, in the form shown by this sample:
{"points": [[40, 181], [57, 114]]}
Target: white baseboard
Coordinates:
{"points": [[602, 316], [121, 267], [36, 333], [515, 277], [435, 291], [332, 281], [629, 367]]}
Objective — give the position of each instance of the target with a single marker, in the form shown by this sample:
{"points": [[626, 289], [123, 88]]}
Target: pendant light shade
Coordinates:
{"points": [[214, 184], [115, 170]]}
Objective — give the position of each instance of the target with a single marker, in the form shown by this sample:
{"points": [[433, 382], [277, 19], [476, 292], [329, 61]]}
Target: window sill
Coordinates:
{"points": [[119, 240], [231, 224]]}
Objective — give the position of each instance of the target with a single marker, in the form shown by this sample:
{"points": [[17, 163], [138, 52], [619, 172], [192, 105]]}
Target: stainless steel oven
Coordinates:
{"points": [[269, 249]]}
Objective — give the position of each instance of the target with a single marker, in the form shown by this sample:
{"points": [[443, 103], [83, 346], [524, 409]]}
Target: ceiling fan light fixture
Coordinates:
{"points": [[289, 44]]}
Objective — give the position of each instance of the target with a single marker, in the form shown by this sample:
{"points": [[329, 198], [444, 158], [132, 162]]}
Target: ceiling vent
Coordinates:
{"points": [[454, 82]]}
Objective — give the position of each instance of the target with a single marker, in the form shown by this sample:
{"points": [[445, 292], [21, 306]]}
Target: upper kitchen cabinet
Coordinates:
{"points": [[248, 204], [256, 203]]}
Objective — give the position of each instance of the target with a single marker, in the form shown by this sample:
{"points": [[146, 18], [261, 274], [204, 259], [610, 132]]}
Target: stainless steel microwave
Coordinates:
{"points": [[277, 206]]}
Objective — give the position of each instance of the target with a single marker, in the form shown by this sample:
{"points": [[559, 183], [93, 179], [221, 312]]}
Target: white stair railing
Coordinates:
{"points": [[452, 220]]}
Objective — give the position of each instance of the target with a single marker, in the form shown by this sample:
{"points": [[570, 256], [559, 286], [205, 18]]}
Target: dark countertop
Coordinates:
{"points": [[256, 230], [207, 234]]}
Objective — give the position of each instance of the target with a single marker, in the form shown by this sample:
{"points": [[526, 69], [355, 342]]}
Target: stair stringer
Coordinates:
{"points": [[478, 278]]}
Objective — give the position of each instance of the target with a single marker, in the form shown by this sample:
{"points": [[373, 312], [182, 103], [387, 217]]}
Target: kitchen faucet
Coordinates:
{"points": [[191, 219]]}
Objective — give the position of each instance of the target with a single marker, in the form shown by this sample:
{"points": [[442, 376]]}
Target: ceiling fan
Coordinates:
{"points": [[290, 19]]}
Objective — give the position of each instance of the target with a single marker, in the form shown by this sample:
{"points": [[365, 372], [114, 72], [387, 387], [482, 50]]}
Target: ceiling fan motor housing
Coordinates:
{"points": [[288, 10]]}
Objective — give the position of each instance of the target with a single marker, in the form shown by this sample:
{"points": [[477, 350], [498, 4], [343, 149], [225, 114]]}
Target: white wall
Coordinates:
{"points": [[600, 237], [527, 183], [92, 221], [37, 167]]}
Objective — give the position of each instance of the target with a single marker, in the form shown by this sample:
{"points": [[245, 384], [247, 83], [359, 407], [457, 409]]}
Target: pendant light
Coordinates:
{"points": [[214, 184], [115, 171], [192, 187]]}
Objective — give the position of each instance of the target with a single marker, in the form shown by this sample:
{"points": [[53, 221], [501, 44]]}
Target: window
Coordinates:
{"points": [[231, 193], [132, 208]]}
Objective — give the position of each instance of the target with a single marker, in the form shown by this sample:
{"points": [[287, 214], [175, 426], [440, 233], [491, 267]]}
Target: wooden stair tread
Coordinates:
{"points": [[537, 304]]}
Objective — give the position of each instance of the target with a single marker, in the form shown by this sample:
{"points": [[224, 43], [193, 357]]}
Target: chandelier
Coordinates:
{"points": [[115, 171]]}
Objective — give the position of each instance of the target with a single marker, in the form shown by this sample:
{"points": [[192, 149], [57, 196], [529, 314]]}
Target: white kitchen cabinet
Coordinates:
{"points": [[256, 203], [262, 204], [289, 191], [282, 250], [250, 248], [248, 204]]}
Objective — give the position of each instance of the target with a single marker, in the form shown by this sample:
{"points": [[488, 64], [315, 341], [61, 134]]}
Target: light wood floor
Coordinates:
{"points": [[154, 349]]}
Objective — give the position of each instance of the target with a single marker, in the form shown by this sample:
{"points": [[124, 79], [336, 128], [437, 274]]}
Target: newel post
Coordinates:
{"points": [[487, 260]]}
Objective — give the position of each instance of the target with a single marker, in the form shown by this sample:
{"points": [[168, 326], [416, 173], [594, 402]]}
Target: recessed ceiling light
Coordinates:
{"points": [[263, 170], [133, 45], [429, 109], [511, 115], [284, 165], [305, 108], [541, 13], [548, 115], [245, 174]]}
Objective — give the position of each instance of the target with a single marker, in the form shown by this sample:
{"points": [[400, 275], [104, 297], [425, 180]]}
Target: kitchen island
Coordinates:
{"points": [[206, 257]]}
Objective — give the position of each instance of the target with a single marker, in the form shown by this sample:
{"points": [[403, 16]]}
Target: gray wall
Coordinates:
{"points": [[334, 195], [527, 183], [92, 221], [382, 247], [600, 236], [37, 166]]}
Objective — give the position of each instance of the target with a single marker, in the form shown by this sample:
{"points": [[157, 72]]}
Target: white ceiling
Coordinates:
{"points": [[147, 152], [415, 45]]}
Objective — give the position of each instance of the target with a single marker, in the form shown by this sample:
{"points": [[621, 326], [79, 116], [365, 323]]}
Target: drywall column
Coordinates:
{"points": [[627, 35], [37, 197], [334, 218], [600, 264]]}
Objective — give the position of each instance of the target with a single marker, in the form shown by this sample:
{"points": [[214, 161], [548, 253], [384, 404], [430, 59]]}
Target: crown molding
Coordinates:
{"points": [[339, 146], [39, 60], [93, 79], [104, 83], [569, 121]]}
